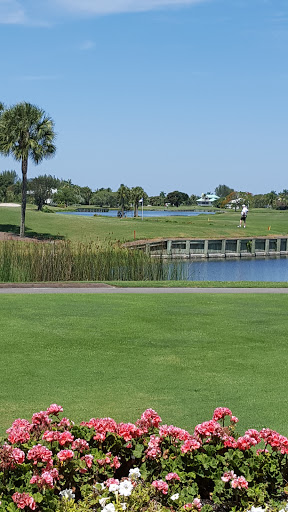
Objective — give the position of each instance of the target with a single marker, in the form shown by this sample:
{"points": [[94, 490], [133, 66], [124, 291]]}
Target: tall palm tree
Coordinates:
{"points": [[136, 194], [26, 132], [123, 194]]}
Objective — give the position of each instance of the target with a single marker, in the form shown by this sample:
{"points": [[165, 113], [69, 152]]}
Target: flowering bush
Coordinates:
{"points": [[51, 464]]}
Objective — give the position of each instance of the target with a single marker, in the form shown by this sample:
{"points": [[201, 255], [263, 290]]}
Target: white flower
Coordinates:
{"points": [[257, 509], [175, 496], [285, 509], [67, 493], [124, 506], [102, 486], [134, 473], [125, 488], [109, 508], [113, 487], [103, 501]]}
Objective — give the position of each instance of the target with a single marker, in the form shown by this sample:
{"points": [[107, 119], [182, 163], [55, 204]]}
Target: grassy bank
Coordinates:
{"points": [[106, 230], [116, 355]]}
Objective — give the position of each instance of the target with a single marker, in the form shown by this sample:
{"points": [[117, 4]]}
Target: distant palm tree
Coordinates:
{"points": [[123, 194], [136, 194], [26, 132]]}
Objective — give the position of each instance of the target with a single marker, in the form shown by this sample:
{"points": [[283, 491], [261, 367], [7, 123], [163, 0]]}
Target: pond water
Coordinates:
{"points": [[146, 213], [238, 269]]}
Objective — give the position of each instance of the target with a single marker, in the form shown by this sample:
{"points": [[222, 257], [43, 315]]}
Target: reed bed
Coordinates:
{"points": [[68, 261]]}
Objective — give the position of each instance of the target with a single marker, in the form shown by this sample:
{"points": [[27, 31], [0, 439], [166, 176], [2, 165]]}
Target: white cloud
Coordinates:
{"points": [[33, 78], [117, 6], [87, 45], [11, 12], [38, 12]]}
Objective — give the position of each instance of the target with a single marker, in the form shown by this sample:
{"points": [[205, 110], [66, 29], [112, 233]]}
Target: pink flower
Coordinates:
{"points": [[40, 453], [80, 444], [19, 432], [111, 481], [239, 483], [46, 479], [18, 456], [101, 426], [65, 422], [172, 476], [207, 428], [190, 445], [89, 460], [65, 438], [149, 419], [51, 435], [153, 451], [115, 463], [64, 455], [234, 419], [54, 409], [160, 485], [221, 412], [23, 500], [40, 420], [127, 430], [196, 505], [174, 432], [228, 475], [245, 442]]}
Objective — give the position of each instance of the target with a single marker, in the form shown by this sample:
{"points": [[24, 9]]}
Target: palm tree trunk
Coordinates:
{"points": [[24, 194]]}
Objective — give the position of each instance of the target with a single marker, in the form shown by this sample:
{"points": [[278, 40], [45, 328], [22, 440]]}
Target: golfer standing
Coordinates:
{"points": [[243, 216]]}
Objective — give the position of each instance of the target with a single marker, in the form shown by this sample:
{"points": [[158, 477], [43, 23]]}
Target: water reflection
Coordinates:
{"points": [[238, 269], [146, 213]]}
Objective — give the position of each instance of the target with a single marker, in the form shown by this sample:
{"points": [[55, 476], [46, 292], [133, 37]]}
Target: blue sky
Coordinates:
{"points": [[166, 94]]}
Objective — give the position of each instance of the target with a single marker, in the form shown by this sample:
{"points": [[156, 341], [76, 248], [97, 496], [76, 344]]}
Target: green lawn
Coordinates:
{"points": [[103, 355], [112, 229]]}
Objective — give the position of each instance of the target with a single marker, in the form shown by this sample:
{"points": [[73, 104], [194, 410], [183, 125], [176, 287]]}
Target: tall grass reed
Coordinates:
{"points": [[67, 261]]}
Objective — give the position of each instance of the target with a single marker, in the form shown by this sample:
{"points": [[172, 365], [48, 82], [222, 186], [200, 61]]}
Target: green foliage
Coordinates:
{"points": [[177, 198], [65, 261], [41, 188]]}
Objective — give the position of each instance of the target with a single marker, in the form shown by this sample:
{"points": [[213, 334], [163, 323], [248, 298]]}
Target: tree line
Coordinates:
{"points": [[27, 132]]}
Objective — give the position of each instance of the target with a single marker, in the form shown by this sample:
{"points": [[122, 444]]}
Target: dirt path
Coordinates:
{"points": [[40, 289]]}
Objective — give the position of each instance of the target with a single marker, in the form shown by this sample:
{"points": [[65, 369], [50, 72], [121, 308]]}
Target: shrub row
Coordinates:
{"points": [[51, 464]]}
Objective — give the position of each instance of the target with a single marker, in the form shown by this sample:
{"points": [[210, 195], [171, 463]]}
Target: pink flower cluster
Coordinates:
{"points": [[275, 440], [190, 445], [19, 432], [109, 460], [175, 433], [65, 455], [220, 413], [149, 419], [46, 480], [10, 456], [54, 409], [236, 482], [128, 431], [63, 438], [161, 486], [153, 451], [172, 476], [40, 453], [23, 500], [195, 505], [101, 426]]}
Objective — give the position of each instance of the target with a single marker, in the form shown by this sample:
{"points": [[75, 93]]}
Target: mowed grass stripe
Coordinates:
{"points": [[182, 355]]}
